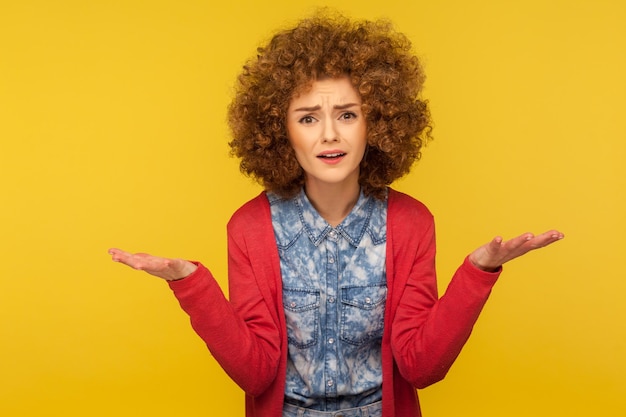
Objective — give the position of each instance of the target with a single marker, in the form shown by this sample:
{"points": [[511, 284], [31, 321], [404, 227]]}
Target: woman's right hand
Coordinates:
{"points": [[165, 268]]}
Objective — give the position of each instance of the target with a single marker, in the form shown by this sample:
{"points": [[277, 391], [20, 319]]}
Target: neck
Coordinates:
{"points": [[333, 201]]}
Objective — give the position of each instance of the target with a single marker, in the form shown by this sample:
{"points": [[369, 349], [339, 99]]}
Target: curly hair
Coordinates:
{"points": [[381, 67]]}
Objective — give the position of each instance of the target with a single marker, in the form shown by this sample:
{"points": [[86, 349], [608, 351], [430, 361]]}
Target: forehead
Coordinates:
{"points": [[334, 89]]}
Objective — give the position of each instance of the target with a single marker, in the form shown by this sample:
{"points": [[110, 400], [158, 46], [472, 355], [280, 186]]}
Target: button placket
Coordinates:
{"points": [[331, 328]]}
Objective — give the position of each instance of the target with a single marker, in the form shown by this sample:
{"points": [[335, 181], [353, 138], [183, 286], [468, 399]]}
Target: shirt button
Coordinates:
{"points": [[330, 383], [331, 260], [331, 299], [292, 304], [331, 340], [368, 300]]}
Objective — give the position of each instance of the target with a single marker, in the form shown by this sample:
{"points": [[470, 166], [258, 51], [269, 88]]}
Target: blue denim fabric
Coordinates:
{"points": [[372, 410], [334, 294]]}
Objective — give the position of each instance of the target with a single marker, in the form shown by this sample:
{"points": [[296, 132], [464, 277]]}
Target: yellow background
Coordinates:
{"points": [[112, 129]]}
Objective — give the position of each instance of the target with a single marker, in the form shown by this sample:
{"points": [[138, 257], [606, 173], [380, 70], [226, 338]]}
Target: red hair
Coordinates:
{"points": [[381, 67]]}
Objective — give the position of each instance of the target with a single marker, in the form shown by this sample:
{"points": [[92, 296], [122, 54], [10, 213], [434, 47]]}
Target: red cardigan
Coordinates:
{"points": [[247, 335]]}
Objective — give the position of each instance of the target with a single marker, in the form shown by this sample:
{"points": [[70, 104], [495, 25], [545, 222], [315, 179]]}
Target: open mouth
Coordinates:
{"points": [[331, 155]]}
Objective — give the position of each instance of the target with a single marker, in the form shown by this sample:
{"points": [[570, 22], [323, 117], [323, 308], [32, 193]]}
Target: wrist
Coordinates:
{"points": [[187, 269], [485, 268]]}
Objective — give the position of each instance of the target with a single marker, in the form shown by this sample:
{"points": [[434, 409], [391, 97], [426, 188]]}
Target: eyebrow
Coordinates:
{"points": [[337, 107]]}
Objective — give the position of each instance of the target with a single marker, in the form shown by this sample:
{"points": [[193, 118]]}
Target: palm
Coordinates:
{"points": [[166, 268], [497, 252]]}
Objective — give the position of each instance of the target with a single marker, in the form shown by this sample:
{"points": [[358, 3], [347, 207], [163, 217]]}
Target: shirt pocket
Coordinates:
{"points": [[362, 313], [302, 310]]}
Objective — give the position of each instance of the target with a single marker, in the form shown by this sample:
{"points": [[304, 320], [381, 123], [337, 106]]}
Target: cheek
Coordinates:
{"points": [[363, 137], [301, 139], [298, 150]]}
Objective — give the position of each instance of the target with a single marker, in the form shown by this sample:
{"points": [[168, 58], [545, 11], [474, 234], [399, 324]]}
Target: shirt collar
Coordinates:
{"points": [[352, 228]]}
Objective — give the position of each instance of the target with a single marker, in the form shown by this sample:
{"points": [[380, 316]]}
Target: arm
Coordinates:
{"points": [[429, 333], [244, 340]]}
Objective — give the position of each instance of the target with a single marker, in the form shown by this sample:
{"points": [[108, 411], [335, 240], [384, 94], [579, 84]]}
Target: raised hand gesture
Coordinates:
{"points": [[494, 254], [166, 268]]}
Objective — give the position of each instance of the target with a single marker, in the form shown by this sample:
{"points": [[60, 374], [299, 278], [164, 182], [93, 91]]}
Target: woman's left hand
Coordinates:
{"points": [[491, 256]]}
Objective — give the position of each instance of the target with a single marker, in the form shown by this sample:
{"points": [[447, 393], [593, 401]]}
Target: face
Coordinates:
{"points": [[327, 131]]}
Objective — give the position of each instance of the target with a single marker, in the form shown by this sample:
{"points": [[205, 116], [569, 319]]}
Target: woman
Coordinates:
{"points": [[333, 304]]}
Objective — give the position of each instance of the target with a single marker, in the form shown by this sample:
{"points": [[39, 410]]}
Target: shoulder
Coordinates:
{"points": [[402, 206], [410, 225], [255, 211]]}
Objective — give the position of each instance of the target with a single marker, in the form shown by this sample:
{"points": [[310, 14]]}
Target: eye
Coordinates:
{"points": [[307, 120], [348, 116]]}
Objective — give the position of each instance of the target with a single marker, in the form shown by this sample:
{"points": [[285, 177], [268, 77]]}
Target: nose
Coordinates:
{"points": [[330, 133]]}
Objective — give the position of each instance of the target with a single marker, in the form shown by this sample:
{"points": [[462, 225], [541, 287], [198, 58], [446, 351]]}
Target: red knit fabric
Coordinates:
{"points": [[247, 334]]}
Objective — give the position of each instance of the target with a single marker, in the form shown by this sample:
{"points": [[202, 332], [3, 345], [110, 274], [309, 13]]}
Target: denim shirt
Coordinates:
{"points": [[334, 294]]}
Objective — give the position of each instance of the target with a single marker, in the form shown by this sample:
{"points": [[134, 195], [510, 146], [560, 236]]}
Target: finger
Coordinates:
{"points": [[118, 254], [554, 234], [528, 242], [140, 261], [495, 244], [519, 241], [547, 238]]}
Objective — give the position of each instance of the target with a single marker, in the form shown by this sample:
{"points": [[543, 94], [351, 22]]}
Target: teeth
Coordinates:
{"points": [[331, 155]]}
